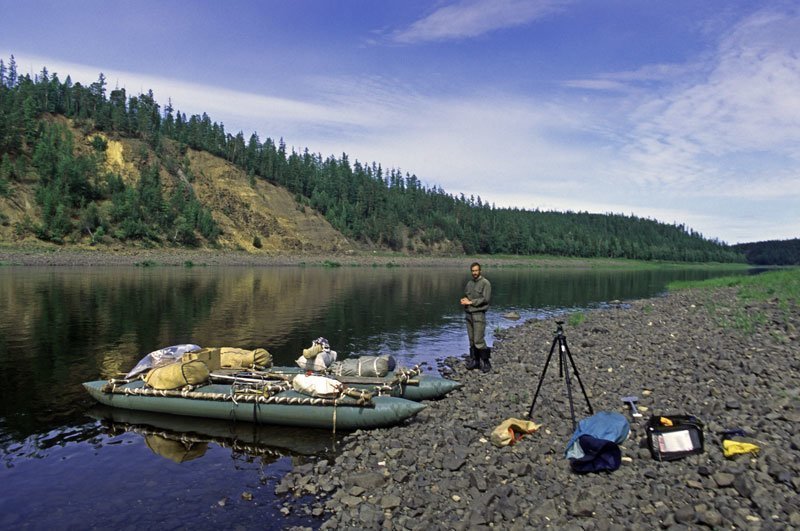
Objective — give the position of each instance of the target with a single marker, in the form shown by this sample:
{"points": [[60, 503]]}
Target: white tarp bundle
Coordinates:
{"points": [[161, 357], [318, 386]]}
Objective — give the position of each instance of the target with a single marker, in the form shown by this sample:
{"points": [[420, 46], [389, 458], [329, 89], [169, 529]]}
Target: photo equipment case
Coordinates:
{"points": [[683, 438]]}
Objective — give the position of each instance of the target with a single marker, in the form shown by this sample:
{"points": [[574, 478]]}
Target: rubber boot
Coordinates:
{"points": [[486, 365], [474, 361]]}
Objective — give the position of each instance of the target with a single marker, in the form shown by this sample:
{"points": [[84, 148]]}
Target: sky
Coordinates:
{"points": [[681, 111]]}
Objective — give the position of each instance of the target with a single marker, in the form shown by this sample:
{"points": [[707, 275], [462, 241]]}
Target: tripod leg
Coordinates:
{"points": [[569, 389], [578, 376], [541, 378]]}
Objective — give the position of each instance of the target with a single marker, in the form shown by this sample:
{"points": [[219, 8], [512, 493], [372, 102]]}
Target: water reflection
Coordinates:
{"points": [[109, 474], [182, 439], [62, 326]]}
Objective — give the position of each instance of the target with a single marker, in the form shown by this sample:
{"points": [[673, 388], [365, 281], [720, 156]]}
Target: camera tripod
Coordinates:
{"points": [[564, 354]]}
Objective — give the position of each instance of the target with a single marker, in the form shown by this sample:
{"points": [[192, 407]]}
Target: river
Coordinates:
{"points": [[68, 464]]}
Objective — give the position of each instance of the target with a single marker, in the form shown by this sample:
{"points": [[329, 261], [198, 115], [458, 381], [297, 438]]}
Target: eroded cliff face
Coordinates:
{"points": [[253, 215], [245, 210]]}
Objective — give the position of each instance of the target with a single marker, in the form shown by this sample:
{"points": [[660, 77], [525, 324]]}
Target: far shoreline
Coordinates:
{"points": [[62, 256]]}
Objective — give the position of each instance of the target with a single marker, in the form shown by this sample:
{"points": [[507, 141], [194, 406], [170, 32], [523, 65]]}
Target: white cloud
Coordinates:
{"points": [[598, 84], [733, 125], [472, 18], [638, 80], [493, 139]]}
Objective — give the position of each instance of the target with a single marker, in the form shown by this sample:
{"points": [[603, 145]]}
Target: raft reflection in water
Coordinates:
{"points": [[180, 438]]}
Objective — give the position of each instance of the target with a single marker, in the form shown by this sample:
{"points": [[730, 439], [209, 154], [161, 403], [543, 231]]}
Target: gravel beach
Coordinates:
{"points": [[64, 256], [678, 354]]}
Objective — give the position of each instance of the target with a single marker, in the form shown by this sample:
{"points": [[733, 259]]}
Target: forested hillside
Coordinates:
{"points": [[773, 252], [60, 139]]}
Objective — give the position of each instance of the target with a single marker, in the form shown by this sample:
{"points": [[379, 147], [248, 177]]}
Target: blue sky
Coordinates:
{"points": [[682, 111]]}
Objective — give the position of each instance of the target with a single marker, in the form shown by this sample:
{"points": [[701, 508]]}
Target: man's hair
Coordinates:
{"points": [[475, 264]]}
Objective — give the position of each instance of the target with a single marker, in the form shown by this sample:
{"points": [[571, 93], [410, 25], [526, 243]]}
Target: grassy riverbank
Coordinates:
{"points": [[782, 284], [780, 288]]}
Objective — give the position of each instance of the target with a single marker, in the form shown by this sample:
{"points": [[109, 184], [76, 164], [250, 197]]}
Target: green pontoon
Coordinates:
{"points": [[285, 407]]}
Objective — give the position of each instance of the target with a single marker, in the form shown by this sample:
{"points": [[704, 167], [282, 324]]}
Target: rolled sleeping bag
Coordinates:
{"points": [[238, 358], [177, 375], [365, 366]]}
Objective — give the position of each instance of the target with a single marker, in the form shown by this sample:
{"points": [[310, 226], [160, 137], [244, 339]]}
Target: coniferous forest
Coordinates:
{"points": [[774, 252], [374, 206]]}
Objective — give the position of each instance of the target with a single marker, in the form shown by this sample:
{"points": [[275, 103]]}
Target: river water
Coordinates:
{"points": [[68, 464]]}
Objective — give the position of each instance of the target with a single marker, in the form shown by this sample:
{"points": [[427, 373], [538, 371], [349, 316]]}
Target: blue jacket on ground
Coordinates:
{"points": [[594, 446]]}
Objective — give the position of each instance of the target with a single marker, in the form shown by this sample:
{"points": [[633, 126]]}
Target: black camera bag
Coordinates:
{"points": [[683, 438]]}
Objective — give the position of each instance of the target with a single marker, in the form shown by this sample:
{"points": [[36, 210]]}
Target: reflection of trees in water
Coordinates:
{"points": [[367, 304], [60, 327], [283, 310], [77, 325]]}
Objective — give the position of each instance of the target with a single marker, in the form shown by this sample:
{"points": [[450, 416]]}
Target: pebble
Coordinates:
{"points": [[440, 472]]}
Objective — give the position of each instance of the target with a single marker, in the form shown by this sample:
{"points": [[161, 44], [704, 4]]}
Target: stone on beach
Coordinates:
{"points": [[439, 471]]}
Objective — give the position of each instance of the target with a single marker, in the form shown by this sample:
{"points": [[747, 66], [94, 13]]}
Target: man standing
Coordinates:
{"points": [[477, 293]]}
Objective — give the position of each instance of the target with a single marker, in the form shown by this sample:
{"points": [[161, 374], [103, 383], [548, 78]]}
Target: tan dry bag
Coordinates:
{"points": [[239, 358], [209, 356], [177, 375]]}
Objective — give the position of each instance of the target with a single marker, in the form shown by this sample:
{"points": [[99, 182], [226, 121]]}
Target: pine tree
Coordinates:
{"points": [[11, 80], [6, 171]]}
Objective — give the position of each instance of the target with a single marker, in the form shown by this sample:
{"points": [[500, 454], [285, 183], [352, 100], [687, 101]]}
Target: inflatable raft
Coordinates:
{"points": [[235, 384], [281, 406]]}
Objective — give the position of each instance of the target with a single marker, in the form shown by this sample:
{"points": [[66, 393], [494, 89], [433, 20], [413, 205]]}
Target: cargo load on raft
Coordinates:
{"points": [[238, 384]]}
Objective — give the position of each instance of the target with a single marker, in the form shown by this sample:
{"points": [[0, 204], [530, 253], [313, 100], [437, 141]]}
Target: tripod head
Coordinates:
{"points": [[559, 329]]}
